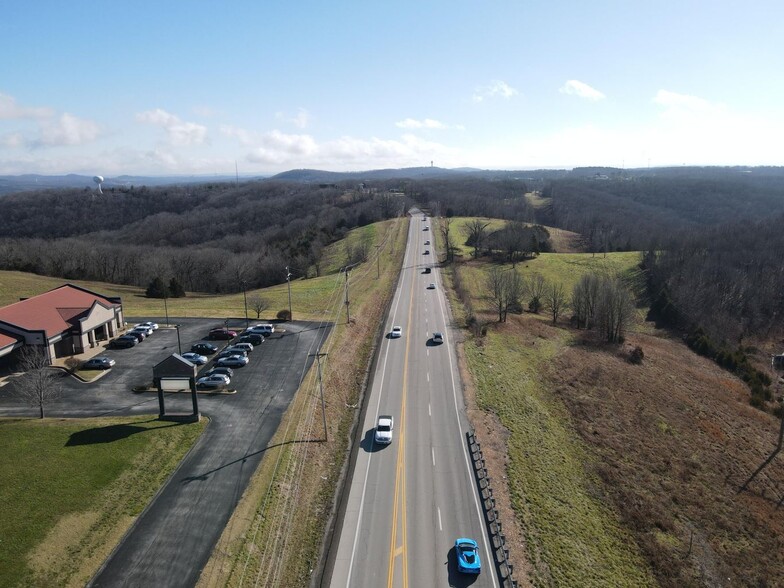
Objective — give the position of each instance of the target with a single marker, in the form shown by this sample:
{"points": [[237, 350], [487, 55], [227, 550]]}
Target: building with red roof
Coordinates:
{"points": [[64, 321]]}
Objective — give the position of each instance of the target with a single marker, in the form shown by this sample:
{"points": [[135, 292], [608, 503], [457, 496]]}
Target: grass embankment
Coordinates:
{"points": [[619, 474], [307, 296], [69, 489], [572, 537], [276, 531]]}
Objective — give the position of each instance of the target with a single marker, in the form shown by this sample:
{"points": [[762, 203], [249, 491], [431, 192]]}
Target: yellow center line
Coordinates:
{"points": [[400, 471]]}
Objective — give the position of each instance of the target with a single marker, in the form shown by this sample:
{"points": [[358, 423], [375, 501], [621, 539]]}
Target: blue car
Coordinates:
{"points": [[467, 552]]}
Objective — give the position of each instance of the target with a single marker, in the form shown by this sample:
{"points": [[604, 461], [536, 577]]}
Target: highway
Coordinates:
{"points": [[409, 501]]}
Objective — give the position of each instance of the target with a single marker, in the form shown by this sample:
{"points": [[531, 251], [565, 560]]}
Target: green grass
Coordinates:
{"points": [[52, 468], [572, 537], [566, 268], [310, 299]]}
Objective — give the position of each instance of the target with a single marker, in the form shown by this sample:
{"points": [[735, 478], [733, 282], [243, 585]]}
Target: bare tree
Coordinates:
{"points": [[537, 288], [258, 304], [555, 300], [38, 386], [505, 288], [615, 309], [448, 241], [584, 300], [477, 234]]}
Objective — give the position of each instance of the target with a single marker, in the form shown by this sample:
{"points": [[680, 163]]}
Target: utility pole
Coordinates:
{"points": [[348, 317], [288, 281], [318, 357], [245, 299], [179, 345], [378, 261], [166, 308]]}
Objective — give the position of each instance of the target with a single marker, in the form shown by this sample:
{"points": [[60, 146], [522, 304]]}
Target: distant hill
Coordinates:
{"points": [[28, 182]]}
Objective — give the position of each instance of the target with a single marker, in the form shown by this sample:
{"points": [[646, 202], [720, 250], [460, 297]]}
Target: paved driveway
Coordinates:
{"points": [[174, 537]]}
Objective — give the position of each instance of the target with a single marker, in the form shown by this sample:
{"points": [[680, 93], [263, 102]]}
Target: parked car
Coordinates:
{"points": [[195, 358], [98, 363], [224, 371], [252, 338], [138, 335], [384, 427], [124, 341], [149, 325], [396, 332], [142, 329], [232, 361], [204, 348], [213, 381], [232, 350], [467, 552], [225, 334], [438, 338], [262, 329], [244, 345]]}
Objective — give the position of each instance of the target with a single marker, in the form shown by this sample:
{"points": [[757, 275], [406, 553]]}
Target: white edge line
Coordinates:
{"points": [[463, 445], [378, 404]]}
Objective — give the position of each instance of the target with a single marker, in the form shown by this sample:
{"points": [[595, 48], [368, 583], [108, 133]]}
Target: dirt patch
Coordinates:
{"points": [[675, 437], [566, 241]]}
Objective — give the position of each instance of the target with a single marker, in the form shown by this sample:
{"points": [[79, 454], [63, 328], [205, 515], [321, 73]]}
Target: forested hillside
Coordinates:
{"points": [[210, 237]]}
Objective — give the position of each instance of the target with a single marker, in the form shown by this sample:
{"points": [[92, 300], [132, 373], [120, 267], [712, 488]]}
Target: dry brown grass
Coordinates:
{"points": [[675, 437]]}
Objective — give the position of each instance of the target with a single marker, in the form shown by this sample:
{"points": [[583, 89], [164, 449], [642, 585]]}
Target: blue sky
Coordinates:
{"points": [[192, 87]]}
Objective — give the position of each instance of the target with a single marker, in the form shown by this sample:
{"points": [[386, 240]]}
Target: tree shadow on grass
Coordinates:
{"points": [[107, 434]]}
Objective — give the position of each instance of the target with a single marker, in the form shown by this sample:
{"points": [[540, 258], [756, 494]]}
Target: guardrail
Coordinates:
{"points": [[503, 566]]}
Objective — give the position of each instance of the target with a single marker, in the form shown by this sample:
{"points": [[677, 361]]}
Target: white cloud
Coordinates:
{"points": [[12, 140], [11, 110], [495, 88], [428, 123], [581, 89], [67, 130], [301, 120], [277, 148], [180, 132]]}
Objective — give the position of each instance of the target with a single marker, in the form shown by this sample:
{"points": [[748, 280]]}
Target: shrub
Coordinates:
{"points": [[636, 355], [72, 364], [535, 305], [284, 315]]}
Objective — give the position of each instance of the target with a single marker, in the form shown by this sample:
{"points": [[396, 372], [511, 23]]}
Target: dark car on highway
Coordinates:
{"points": [[204, 348], [224, 334]]}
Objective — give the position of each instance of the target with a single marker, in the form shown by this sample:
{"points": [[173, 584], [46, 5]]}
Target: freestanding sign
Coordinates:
{"points": [[174, 374]]}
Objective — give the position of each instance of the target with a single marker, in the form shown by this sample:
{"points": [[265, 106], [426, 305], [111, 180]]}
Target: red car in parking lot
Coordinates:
{"points": [[222, 334]]}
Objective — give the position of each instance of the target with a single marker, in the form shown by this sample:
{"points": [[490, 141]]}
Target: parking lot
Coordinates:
{"points": [[172, 540]]}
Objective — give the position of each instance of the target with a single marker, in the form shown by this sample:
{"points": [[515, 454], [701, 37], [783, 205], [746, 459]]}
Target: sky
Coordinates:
{"points": [[193, 87]]}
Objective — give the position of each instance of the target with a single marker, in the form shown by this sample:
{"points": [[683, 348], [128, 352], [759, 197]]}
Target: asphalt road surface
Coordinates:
{"points": [[173, 538], [410, 500]]}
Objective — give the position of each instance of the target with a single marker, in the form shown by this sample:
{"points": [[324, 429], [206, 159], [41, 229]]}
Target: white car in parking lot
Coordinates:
{"points": [[149, 325], [213, 381], [232, 361]]}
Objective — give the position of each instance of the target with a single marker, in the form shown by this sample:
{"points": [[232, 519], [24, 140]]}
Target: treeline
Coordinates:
{"points": [[628, 212], [211, 238], [727, 280], [470, 196]]}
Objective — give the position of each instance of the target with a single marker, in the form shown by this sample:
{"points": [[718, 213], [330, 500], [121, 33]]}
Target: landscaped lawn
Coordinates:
{"points": [[69, 488]]}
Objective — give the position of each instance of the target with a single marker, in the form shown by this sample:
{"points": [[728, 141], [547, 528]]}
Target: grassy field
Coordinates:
{"points": [[562, 241], [618, 475], [310, 299], [573, 538], [70, 489]]}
